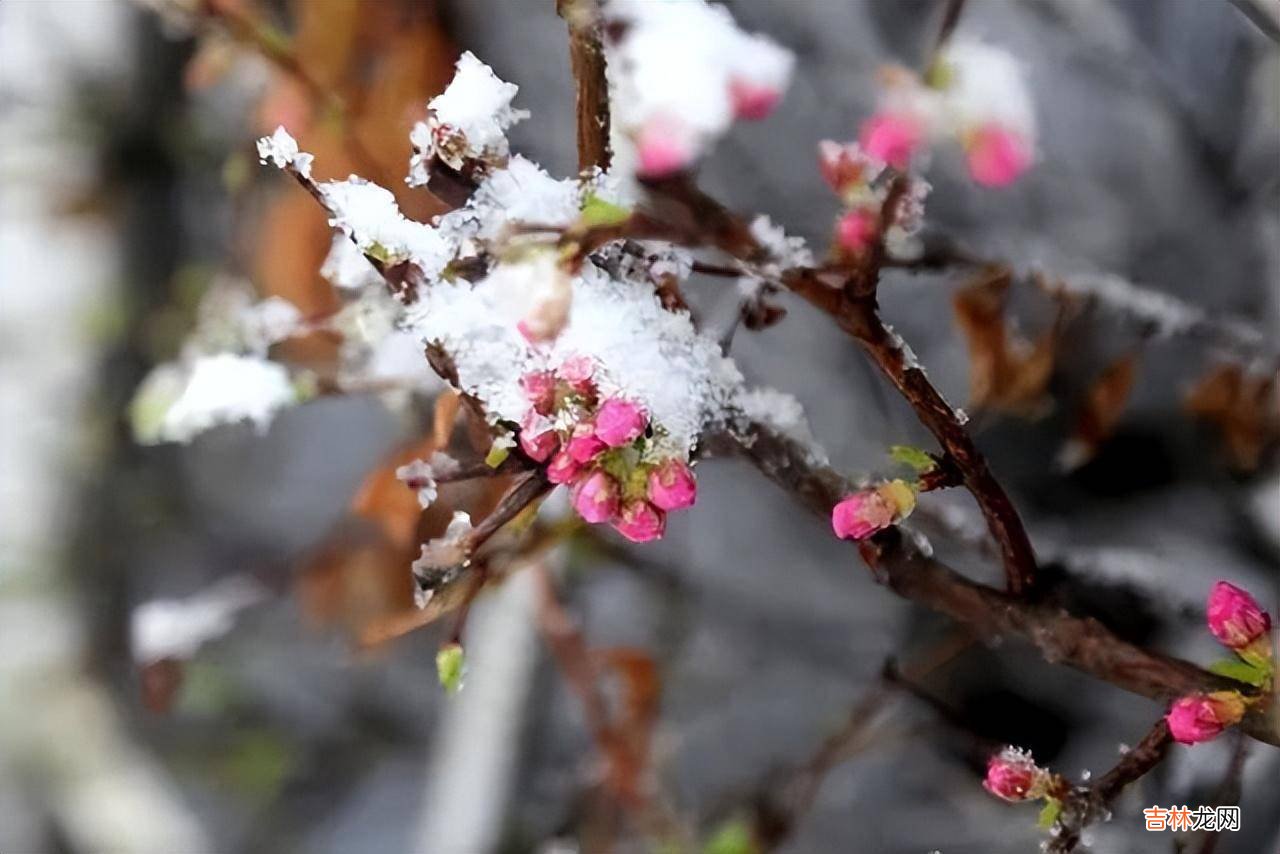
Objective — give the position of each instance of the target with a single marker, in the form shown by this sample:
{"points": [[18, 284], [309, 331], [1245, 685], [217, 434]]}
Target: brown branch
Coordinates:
{"points": [[586, 57], [1082, 643], [1091, 804]]}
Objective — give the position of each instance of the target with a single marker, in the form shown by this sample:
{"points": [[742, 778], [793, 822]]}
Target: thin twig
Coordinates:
{"points": [[1091, 804]]}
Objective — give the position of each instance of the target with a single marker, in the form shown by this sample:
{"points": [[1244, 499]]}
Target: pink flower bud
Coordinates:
{"points": [[563, 468], [579, 373], [539, 389], [857, 230], [1235, 617], [640, 521], [663, 148], [997, 156], [584, 445], [891, 137], [596, 497], [1013, 775], [861, 515], [844, 167], [672, 485], [752, 101], [1200, 717], [537, 439], [620, 422]]}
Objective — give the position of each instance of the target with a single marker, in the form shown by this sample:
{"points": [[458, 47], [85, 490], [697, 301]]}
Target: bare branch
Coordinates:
{"points": [[586, 57]]}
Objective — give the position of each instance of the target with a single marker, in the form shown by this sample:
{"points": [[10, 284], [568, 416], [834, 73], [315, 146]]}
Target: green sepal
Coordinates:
{"points": [[912, 457], [1241, 671], [1049, 813], [596, 212]]}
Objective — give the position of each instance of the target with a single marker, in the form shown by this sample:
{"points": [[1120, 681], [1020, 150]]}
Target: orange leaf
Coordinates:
{"points": [[1244, 408], [1100, 412]]}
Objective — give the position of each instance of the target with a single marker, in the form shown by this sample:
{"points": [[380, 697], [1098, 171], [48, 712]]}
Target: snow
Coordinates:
{"points": [[369, 215], [468, 121], [225, 389], [177, 628], [675, 63], [642, 351], [780, 412], [987, 85], [419, 476], [345, 266], [281, 149]]}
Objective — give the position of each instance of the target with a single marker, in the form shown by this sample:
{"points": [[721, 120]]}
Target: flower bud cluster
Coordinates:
{"points": [[601, 449], [1238, 622]]}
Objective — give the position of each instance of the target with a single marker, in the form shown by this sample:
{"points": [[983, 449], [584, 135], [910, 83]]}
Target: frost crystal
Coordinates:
{"points": [[224, 389], [467, 122], [281, 149], [683, 71], [783, 250]]}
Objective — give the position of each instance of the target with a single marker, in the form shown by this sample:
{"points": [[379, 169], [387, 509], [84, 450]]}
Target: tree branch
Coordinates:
{"points": [[1082, 643], [586, 57], [1092, 804]]}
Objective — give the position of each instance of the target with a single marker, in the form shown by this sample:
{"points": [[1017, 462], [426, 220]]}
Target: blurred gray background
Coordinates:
{"points": [[1159, 161]]}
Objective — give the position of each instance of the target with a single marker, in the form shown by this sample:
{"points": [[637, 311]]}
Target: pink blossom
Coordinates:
{"points": [[752, 101], [579, 373], [891, 137], [539, 389], [664, 148], [672, 485], [537, 439], [640, 521], [1013, 775], [1201, 717], [861, 515], [596, 497], [1235, 617], [857, 230], [584, 445], [997, 156], [620, 422], [844, 167], [563, 468]]}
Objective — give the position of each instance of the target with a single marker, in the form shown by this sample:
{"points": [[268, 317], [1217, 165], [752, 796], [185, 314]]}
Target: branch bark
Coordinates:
{"points": [[586, 58], [1082, 643]]}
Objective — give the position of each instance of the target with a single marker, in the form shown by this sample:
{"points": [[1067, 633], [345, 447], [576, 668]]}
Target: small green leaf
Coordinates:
{"points": [[497, 455], [451, 664], [732, 837], [1241, 671], [598, 212], [1049, 814], [912, 457]]}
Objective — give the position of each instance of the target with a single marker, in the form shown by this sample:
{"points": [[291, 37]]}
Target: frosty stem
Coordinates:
{"points": [[1086, 806]]}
